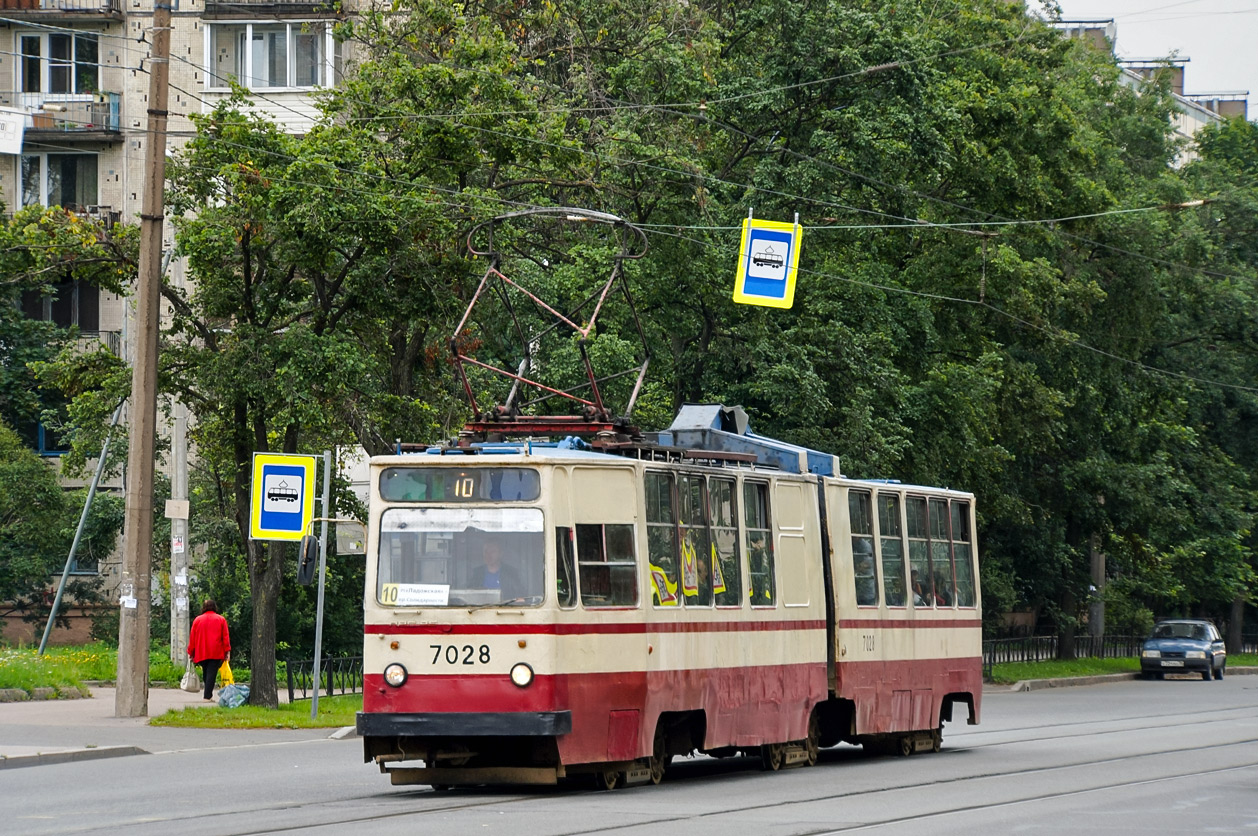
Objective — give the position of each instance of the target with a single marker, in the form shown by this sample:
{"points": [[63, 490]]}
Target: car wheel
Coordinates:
{"points": [[1206, 674], [1158, 675], [1219, 673]]}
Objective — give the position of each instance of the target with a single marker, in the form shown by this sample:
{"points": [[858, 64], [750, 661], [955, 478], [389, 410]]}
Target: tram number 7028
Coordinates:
{"points": [[453, 654]]}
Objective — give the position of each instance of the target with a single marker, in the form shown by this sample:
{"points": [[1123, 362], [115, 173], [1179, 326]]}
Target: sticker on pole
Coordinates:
{"points": [[767, 262], [282, 501]]}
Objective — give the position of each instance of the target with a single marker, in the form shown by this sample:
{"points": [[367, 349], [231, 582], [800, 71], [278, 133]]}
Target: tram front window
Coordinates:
{"points": [[460, 557]]}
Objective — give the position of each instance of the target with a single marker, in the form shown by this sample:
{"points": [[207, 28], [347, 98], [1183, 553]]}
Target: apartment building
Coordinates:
{"points": [[1193, 111], [77, 72]]}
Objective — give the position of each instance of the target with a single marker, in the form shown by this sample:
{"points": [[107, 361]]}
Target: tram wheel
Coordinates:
{"points": [[608, 779], [440, 787], [812, 744], [904, 746], [936, 740], [771, 756]]}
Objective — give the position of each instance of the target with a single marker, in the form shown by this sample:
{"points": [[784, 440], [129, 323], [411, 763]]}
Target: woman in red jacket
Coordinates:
{"points": [[209, 644]]}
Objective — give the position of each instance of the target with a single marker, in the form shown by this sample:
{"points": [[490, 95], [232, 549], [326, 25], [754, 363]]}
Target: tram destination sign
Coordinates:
{"points": [[768, 261], [282, 501]]}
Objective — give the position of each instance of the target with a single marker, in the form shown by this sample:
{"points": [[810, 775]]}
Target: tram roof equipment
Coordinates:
{"points": [[726, 429]]}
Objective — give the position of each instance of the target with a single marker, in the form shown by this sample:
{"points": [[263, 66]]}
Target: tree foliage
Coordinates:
{"points": [[1007, 284]]}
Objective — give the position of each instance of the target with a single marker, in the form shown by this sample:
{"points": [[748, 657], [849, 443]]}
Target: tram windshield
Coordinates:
{"points": [[460, 557]]}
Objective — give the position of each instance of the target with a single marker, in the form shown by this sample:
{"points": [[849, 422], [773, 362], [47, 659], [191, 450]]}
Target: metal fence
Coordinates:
{"points": [[340, 675]]}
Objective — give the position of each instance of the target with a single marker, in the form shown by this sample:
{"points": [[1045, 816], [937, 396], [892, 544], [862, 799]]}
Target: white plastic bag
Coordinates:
{"points": [[191, 681]]}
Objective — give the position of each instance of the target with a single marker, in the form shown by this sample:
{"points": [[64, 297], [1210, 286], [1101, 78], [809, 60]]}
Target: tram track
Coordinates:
{"points": [[700, 771], [864, 793]]}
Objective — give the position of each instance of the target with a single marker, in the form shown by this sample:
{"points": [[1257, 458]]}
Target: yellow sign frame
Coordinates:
{"points": [[785, 234], [262, 526]]}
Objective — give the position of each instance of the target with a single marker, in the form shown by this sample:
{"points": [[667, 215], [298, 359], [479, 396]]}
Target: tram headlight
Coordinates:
{"points": [[521, 674], [395, 675]]}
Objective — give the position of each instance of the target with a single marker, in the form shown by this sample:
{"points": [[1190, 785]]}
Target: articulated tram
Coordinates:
{"points": [[542, 610]]}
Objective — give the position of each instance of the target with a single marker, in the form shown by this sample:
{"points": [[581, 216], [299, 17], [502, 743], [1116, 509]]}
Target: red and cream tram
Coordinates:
{"points": [[535, 611]]}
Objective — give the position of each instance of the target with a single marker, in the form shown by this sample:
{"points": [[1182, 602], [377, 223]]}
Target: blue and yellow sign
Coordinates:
{"points": [[282, 500], [767, 263]]}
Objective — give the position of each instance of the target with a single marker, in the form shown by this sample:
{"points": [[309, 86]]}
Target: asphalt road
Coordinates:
{"points": [[1179, 756]]}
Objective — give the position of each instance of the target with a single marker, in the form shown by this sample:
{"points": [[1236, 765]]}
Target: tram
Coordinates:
{"points": [[539, 610]]}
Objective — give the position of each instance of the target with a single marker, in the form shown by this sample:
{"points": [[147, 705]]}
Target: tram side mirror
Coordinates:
{"points": [[307, 560]]}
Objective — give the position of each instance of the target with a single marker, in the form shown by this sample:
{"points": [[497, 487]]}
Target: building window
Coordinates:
{"points": [[67, 180], [59, 63], [269, 55], [71, 303]]}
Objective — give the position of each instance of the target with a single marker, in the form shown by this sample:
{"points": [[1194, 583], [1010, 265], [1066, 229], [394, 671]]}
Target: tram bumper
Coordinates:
{"points": [[457, 724]]}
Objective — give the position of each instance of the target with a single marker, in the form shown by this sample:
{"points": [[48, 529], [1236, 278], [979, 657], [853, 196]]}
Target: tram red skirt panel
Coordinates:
{"points": [[614, 714], [898, 696]]}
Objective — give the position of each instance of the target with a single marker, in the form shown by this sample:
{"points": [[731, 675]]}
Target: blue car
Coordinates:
{"points": [[1183, 646]]}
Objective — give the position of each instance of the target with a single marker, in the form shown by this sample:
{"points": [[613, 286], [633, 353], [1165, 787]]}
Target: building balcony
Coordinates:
{"points": [[111, 341], [64, 117], [61, 9]]}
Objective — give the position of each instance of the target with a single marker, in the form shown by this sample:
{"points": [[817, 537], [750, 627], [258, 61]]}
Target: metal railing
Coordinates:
{"points": [[85, 6], [111, 340], [1045, 648], [340, 675]]}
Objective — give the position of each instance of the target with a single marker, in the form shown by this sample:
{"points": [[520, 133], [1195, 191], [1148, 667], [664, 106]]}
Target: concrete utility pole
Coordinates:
{"points": [[133, 626], [179, 603]]}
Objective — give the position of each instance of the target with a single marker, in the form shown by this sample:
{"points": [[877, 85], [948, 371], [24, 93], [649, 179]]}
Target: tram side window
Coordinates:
{"points": [[565, 569], [921, 582], [891, 540], [940, 553], [696, 550], [762, 590], [727, 576], [859, 512], [661, 533], [607, 566], [961, 553]]}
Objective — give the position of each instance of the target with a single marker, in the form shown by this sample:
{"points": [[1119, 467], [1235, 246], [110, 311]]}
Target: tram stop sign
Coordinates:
{"points": [[767, 263], [282, 500]]}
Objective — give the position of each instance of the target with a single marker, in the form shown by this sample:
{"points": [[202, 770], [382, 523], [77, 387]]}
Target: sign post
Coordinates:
{"points": [[768, 260]]}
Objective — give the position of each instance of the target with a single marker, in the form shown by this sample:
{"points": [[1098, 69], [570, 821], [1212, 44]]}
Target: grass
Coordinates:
{"points": [[70, 667], [333, 712], [1008, 673]]}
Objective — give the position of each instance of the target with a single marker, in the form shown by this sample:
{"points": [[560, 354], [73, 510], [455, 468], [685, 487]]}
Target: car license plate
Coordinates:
{"points": [[1172, 663]]}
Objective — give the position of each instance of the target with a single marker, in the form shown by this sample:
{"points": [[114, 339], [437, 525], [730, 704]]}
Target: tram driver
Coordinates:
{"points": [[492, 574]]}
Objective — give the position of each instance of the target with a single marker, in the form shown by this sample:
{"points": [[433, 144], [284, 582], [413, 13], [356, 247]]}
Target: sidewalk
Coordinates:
{"points": [[39, 732]]}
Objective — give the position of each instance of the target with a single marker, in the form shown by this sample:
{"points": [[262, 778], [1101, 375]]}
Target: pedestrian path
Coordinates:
{"points": [[40, 732]]}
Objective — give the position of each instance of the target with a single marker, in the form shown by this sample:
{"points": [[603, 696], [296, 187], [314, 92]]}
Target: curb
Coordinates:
{"points": [[48, 758], [344, 732], [68, 692], [1099, 679]]}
